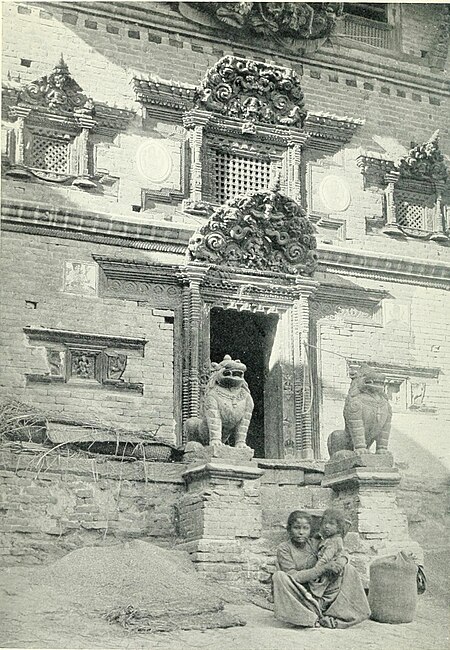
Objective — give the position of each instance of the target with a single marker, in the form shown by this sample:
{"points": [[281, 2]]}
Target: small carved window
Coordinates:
{"points": [[237, 174], [411, 215], [414, 211], [49, 154]]}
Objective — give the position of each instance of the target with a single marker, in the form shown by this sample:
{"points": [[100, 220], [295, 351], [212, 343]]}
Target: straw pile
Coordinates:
{"points": [[135, 584], [19, 421]]}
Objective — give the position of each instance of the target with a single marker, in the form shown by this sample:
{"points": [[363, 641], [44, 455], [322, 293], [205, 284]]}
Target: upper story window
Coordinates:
{"points": [[368, 23], [370, 10]]}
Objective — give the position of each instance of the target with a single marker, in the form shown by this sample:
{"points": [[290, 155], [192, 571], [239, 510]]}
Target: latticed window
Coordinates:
{"points": [[411, 215], [49, 154], [236, 174]]}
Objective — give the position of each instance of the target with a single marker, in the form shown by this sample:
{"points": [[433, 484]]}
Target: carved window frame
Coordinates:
{"points": [[419, 189], [66, 346], [403, 380], [30, 125]]}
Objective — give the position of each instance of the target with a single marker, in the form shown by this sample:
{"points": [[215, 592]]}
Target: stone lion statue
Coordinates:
{"points": [[226, 408], [367, 415]]}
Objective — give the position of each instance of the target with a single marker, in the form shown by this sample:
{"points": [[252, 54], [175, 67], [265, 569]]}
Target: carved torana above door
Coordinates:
{"points": [[265, 231]]}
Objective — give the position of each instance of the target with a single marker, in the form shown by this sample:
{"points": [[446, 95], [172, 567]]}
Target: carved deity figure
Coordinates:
{"points": [[226, 408], [367, 415]]}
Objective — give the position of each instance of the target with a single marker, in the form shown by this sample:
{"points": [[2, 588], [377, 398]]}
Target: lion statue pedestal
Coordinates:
{"points": [[195, 452], [365, 483]]}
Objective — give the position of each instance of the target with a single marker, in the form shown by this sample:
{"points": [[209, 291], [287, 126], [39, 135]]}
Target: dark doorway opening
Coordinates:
{"points": [[248, 337]]}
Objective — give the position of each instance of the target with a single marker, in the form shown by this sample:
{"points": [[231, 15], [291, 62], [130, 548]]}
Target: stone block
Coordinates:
{"points": [[195, 452], [345, 460]]}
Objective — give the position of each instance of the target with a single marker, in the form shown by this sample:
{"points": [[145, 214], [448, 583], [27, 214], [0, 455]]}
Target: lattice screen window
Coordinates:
{"points": [[235, 174], [415, 210], [411, 215], [49, 154]]}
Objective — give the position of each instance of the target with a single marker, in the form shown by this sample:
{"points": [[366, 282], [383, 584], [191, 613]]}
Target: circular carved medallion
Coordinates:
{"points": [[335, 193], [154, 162]]}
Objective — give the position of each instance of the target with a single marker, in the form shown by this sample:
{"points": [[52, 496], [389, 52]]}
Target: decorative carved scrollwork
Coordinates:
{"points": [[253, 92], [289, 24], [57, 92], [265, 231], [424, 161]]}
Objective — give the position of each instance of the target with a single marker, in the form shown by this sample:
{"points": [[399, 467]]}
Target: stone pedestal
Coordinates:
{"points": [[220, 519], [365, 487], [194, 452]]}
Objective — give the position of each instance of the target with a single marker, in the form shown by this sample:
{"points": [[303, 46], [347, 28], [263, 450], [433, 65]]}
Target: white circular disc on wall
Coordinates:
{"points": [[154, 162], [335, 193]]}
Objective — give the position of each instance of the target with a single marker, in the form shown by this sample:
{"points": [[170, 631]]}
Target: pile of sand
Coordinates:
{"points": [[135, 584]]}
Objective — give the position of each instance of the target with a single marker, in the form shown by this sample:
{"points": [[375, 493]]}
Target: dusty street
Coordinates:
{"points": [[24, 628]]}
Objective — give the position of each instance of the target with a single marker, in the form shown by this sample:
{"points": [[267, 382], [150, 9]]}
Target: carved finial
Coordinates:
{"points": [[227, 357], [434, 137]]}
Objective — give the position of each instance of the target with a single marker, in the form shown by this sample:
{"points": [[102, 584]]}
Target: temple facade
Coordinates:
{"points": [[183, 181]]}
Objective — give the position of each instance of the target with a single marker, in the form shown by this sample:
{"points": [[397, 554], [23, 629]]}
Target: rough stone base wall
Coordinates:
{"points": [[53, 505]]}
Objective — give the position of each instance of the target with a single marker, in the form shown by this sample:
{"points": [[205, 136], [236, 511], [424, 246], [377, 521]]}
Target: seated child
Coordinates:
{"points": [[331, 557]]}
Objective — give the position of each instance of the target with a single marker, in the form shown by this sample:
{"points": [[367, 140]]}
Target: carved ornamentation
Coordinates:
{"points": [[265, 231], [116, 364], [367, 415], [83, 365], [51, 138], [424, 161], [253, 92], [290, 25], [414, 188], [57, 92], [226, 408], [86, 358]]}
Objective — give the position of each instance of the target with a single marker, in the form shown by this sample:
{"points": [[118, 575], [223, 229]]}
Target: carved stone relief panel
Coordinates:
{"points": [[405, 386], [85, 359], [80, 278]]}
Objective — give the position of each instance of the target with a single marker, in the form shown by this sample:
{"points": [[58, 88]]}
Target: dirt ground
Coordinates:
{"points": [[22, 627]]}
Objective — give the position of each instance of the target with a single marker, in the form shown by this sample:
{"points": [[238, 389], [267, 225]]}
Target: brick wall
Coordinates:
{"points": [[104, 54], [52, 505], [409, 330], [34, 295]]}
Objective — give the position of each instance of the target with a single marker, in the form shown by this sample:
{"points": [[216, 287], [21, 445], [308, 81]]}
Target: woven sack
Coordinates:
{"points": [[393, 589]]}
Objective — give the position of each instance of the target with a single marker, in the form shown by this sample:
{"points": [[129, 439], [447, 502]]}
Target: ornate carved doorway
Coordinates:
{"points": [[249, 337]]}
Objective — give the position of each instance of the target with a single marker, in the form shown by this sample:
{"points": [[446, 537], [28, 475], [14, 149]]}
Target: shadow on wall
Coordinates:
{"points": [[421, 448]]}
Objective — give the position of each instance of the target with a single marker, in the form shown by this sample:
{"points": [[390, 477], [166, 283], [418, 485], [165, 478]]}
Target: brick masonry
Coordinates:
{"points": [[103, 55], [57, 308], [52, 505]]}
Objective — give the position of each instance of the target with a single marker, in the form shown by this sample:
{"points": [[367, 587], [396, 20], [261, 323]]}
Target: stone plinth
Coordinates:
{"points": [[365, 487], [219, 518], [194, 452]]}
